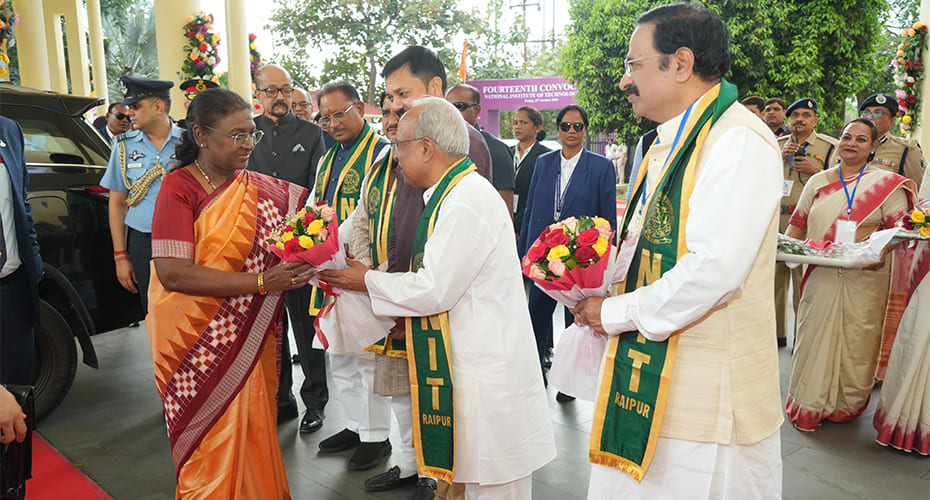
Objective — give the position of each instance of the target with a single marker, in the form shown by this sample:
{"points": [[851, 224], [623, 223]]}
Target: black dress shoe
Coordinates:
{"points": [[389, 480], [312, 421], [341, 441], [369, 455], [426, 489], [564, 398], [287, 412]]}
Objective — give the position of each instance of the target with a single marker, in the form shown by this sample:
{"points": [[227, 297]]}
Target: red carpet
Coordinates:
{"points": [[54, 478]]}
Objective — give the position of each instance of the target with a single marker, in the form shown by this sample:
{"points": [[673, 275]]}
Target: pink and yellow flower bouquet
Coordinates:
{"points": [[311, 236]]}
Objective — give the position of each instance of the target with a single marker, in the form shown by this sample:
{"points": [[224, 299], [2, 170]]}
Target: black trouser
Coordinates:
{"points": [[541, 308], [17, 335], [313, 391], [139, 245]]}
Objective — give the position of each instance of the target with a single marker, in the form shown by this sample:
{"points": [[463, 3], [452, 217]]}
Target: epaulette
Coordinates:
{"points": [[127, 135]]}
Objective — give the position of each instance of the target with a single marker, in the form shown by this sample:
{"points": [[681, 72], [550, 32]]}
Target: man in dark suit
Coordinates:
{"points": [[20, 263], [117, 122], [572, 182], [528, 130]]}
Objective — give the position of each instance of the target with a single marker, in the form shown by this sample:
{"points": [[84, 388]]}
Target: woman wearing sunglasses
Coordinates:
{"points": [[570, 182]]}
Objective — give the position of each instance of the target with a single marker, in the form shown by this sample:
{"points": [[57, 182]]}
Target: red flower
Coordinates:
{"points": [[204, 47], [587, 237], [293, 246], [252, 36], [586, 255], [907, 224], [911, 99], [308, 218], [918, 65], [909, 84], [537, 253], [556, 238]]}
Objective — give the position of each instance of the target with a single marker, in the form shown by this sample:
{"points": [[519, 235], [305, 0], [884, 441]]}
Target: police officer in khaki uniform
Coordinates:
{"points": [[898, 155], [804, 153]]}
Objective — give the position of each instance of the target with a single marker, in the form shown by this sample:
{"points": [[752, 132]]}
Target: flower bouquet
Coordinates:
{"points": [[570, 261], [918, 221], [311, 236]]}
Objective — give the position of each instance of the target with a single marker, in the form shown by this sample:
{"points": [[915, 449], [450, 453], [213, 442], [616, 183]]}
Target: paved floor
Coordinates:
{"points": [[111, 424]]}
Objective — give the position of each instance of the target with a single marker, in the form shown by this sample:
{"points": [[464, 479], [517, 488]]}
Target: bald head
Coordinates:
{"points": [[467, 100], [271, 72], [274, 91]]}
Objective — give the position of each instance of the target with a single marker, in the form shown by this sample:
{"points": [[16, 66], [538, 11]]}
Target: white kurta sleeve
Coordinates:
{"points": [[734, 198], [454, 256]]}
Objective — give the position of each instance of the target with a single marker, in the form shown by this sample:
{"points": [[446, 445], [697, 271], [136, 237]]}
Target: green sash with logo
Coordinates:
{"points": [[637, 373], [429, 356], [379, 196], [348, 186]]}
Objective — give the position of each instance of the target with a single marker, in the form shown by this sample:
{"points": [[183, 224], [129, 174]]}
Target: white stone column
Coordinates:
{"points": [[34, 60], [78, 62], [237, 49], [170, 18], [57, 70], [97, 55]]}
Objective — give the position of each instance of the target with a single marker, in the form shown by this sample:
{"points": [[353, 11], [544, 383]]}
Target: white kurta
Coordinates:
{"points": [[471, 269]]}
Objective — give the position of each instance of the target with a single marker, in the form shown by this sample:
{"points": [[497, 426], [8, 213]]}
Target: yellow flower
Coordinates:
{"points": [[925, 231], [194, 55], [306, 242], [906, 119], [601, 246], [199, 37], [911, 32], [215, 38], [557, 252], [252, 46], [600, 222], [315, 226], [918, 25], [918, 217], [280, 245], [288, 236]]}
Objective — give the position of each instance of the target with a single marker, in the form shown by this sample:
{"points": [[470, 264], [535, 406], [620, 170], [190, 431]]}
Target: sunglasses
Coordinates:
{"points": [[121, 117], [462, 106], [566, 126]]}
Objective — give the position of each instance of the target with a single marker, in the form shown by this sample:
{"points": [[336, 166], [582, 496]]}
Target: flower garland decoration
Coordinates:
{"points": [[255, 58], [8, 19], [201, 49], [908, 73]]}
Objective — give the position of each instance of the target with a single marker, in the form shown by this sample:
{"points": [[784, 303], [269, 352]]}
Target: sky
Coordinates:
{"points": [[541, 15]]}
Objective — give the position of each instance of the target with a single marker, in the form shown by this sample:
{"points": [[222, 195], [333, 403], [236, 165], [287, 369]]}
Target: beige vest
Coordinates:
{"points": [[725, 378]]}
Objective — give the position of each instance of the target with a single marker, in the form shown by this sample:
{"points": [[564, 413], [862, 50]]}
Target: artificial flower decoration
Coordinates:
{"points": [[255, 58], [909, 72], [202, 54]]}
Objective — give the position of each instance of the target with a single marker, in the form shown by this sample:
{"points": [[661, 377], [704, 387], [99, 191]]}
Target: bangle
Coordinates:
{"points": [[261, 284], [120, 252], [124, 256]]}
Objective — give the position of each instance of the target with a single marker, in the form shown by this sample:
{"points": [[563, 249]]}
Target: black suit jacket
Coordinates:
{"points": [[11, 150], [521, 181], [105, 132]]}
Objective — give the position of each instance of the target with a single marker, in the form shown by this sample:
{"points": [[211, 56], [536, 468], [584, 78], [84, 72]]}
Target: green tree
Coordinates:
{"points": [[492, 50], [130, 47], [368, 33], [824, 49]]}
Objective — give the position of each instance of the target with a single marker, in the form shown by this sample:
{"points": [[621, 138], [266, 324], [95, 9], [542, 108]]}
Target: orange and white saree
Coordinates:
{"points": [[216, 359]]}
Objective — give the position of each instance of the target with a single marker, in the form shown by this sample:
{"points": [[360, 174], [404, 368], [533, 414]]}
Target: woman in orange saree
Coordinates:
{"points": [[841, 312], [215, 319]]}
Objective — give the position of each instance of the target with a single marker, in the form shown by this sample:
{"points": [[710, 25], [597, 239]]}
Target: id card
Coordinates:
{"points": [[134, 165], [786, 188], [845, 231]]}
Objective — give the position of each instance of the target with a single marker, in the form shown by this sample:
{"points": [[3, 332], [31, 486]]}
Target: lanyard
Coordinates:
{"points": [[849, 199], [559, 194], [681, 128]]}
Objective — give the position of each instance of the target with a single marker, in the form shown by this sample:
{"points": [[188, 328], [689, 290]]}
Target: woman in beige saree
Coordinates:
{"points": [[841, 312]]}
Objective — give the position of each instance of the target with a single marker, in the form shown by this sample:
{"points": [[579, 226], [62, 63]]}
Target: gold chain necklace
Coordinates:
{"points": [[205, 176]]}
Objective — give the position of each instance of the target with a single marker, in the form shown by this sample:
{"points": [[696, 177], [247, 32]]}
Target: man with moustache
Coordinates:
{"points": [[301, 105], [894, 154], [804, 153], [140, 159], [467, 100], [117, 122], [689, 403], [341, 171], [290, 150], [774, 115]]}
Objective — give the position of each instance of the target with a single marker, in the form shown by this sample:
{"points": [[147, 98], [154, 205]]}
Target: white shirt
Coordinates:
{"points": [[471, 269], [13, 260], [734, 197], [517, 157], [568, 166]]}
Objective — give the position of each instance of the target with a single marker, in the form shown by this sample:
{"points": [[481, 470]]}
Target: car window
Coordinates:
{"points": [[55, 138]]}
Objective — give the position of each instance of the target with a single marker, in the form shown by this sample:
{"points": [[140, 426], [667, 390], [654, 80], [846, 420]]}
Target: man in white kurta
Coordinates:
{"points": [[470, 270], [719, 436]]}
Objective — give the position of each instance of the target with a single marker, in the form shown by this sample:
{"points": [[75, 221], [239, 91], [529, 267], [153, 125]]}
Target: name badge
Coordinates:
{"points": [[134, 165], [845, 231], [786, 187]]}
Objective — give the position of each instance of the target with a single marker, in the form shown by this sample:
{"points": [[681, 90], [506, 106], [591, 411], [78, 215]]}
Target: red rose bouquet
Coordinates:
{"points": [[570, 261], [311, 236]]}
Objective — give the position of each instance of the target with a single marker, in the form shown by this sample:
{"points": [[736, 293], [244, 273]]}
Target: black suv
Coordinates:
{"points": [[79, 294]]}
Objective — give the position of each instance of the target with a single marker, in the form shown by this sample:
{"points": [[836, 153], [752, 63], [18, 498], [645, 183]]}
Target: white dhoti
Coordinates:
{"points": [[691, 470], [366, 413]]}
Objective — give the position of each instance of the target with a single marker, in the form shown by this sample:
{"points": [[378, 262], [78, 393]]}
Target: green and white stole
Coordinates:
{"points": [[379, 196], [348, 186], [635, 384], [429, 356]]}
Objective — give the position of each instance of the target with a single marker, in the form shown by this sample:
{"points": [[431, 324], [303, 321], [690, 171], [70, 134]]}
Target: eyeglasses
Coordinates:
{"points": [[462, 106], [121, 117], [566, 126], [396, 144], [271, 92], [874, 114], [338, 115], [628, 64], [301, 104], [239, 139]]}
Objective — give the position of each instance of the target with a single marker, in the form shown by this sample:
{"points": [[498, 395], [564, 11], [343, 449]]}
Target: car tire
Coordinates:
{"points": [[55, 359]]}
